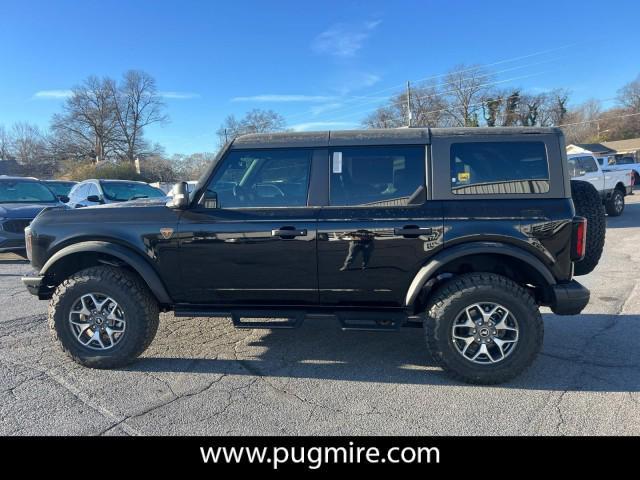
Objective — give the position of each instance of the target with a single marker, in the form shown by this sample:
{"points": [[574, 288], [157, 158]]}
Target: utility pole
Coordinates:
{"points": [[409, 112]]}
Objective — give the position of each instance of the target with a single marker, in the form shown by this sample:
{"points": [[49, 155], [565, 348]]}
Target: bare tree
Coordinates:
{"points": [[29, 146], [556, 108], [255, 121], [136, 105], [428, 109], [88, 123], [582, 124], [5, 144], [629, 95], [466, 89], [384, 117]]}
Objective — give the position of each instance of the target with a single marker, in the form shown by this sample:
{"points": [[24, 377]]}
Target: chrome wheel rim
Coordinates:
{"points": [[485, 333], [618, 203], [97, 321]]}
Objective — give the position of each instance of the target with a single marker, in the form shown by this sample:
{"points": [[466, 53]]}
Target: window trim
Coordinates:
{"points": [[196, 206], [425, 184], [441, 166]]}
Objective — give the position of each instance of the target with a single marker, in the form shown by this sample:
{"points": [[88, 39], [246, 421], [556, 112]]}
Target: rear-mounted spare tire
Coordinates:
{"points": [[588, 204]]}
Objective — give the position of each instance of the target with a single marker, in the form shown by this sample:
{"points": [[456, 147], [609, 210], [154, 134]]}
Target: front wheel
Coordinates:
{"points": [[483, 328], [103, 317], [615, 205]]}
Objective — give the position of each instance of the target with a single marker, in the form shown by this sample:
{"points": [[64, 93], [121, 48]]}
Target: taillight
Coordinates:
{"points": [[579, 241]]}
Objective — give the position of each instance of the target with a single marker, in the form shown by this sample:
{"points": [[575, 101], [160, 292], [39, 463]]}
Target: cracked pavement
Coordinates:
{"points": [[202, 377]]}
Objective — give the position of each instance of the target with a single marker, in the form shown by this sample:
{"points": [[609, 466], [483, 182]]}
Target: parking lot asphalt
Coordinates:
{"points": [[201, 376]]}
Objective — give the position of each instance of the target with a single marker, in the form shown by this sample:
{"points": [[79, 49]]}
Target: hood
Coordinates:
{"points": [[24, 210], [141, 202]]}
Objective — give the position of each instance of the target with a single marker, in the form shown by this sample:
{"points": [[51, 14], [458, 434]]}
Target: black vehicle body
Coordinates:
{"points": [[94, 192], [16, 216], [354, 262]]}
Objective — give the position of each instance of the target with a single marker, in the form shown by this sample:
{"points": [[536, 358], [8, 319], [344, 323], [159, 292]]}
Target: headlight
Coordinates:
{"points": [[28, 242]]}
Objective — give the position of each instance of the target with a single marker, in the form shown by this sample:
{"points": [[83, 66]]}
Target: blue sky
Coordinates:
{"points": [[310, 61]]}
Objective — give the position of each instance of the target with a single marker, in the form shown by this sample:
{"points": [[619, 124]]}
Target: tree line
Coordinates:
{"points": [[467, 97], [100, 129]]}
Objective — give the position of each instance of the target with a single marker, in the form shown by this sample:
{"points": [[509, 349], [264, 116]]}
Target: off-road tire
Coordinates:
{"points": [[131, 293], [610, 206], [588, 204], [453, 297]]}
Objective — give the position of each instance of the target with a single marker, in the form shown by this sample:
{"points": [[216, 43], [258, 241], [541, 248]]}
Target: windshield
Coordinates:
{"points": [[60, 188], [123, 191], [17, 191]]}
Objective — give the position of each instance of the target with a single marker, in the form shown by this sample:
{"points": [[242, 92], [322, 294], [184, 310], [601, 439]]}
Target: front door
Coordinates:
{"points": [[255, 244], [378, 229]]}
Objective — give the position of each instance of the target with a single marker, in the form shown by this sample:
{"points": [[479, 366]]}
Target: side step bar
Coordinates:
{"points": [[289, 319]]}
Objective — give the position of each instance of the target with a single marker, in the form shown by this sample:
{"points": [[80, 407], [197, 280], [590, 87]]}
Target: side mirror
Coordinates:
{"points": [[63, 198], [180, 198], [94, 199]]}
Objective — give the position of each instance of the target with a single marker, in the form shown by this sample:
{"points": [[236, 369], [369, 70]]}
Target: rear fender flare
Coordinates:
{"points": [[474, 248]]}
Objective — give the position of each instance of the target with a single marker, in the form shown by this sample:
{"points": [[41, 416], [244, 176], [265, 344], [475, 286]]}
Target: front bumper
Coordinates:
{"points": [[33, 284], [569, 298]]}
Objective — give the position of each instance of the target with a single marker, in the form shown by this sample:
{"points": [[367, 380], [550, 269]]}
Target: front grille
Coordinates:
{"points": [[16, 225]]}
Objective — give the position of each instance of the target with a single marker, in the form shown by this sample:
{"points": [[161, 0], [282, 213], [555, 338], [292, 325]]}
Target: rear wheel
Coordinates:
{"points": [[588, 204], [615, 205], [103, 317], [483, 328]]}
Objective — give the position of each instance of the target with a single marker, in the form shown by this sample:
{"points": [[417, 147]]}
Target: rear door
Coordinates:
{"points": [[379, 226]]}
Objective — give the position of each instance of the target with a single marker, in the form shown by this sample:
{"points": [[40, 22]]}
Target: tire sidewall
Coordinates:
{"points": [[134, 331], [518, 359]]}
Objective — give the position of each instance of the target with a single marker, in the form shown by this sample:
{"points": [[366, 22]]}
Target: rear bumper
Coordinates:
{"points": [[629, 189], [569, 298]]}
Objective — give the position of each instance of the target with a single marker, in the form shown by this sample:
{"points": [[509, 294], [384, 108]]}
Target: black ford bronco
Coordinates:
{"points": [[464, 231]]}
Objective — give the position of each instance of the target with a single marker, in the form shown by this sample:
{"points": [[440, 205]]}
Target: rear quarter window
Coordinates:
{"points": [[490, 168]]}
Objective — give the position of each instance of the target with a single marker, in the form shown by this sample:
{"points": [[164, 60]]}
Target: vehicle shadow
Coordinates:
{"points": [[630, 217], [581, 353]]}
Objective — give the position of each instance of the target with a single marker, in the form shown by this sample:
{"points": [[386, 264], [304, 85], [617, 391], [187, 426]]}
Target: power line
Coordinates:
{"points": [[356, 99], [421, 97], [603, 119]]}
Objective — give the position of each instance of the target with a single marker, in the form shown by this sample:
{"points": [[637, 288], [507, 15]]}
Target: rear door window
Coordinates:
{"points": [[499, 168], [377, 176]]}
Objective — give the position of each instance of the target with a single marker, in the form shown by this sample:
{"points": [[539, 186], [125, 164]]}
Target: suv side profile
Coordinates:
{"points": [[465, 232]]}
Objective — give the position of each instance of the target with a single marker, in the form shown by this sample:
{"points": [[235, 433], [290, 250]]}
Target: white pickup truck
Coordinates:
{"points": [[613, 185], [622, 163]]}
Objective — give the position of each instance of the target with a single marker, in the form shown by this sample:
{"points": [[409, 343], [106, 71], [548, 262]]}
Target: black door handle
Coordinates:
{"points": [[288, 232], [412, 231]]}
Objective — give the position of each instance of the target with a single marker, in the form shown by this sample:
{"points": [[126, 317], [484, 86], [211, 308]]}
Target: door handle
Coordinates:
{"points": [[412, 231], [288, 232]]}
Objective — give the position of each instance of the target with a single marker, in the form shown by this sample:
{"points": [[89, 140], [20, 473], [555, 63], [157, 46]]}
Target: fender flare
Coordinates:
{"points": [[473, 248], [130, 257]]}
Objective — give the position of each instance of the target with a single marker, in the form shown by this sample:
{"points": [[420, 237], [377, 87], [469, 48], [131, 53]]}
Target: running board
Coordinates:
{"points": [[364, 320]]}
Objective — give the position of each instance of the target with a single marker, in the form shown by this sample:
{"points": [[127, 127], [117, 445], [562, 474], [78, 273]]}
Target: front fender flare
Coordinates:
{"points": [[130, 257], [472, 248]]}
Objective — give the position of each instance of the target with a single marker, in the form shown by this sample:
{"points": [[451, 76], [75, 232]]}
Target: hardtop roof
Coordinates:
{"points": [[384, 136]]}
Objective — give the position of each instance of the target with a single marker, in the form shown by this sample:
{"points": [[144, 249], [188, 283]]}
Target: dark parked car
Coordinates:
{"points": [[98, 192], [21, 199], [464, 231], [61, 188]]}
